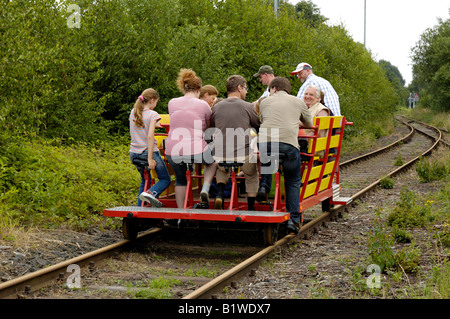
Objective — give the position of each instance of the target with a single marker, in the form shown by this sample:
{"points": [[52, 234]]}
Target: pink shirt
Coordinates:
{"points": [[188, 116], [139, 135]]}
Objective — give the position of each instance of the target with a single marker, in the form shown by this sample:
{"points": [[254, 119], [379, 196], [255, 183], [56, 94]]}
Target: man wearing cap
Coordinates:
{"points": [[305, 74], [265, 74]]}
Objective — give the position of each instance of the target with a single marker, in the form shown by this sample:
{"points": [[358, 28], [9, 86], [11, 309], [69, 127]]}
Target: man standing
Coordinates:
{"points": [[305, 74], [234, 119], [265, 74], [281, 114]]}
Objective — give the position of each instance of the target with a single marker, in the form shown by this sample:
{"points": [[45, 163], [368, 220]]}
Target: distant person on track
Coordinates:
{"points": [[281, 115], [189, 118], [305, 73], [209, 93], [143, 146], [235, 119]]}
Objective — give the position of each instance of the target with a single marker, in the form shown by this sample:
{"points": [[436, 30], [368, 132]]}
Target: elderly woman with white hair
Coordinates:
{"points": [[312, 99]]}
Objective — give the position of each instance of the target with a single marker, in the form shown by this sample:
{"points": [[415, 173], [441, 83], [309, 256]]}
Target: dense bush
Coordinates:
{"points": [[65, 82], [428, 170], [47, 72], [45, 183], [410, 211]]}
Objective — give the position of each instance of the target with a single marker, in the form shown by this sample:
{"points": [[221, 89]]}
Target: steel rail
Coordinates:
{"points": [[207, 290], [400, 168], [439, 131], [20, 286], [381, 150]]}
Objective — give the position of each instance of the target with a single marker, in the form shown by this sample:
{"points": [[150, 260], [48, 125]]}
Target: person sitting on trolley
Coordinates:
{"points": [[313, 100], [189, 118], [143, 146], [234, 118], [281, 114]]}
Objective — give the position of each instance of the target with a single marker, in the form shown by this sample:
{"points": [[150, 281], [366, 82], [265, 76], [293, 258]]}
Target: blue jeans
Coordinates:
{"points": [[160, 169], [291, 162]]}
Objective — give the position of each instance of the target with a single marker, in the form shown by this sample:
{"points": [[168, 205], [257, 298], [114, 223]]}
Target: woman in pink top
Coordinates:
{"points": [[189, 118]]}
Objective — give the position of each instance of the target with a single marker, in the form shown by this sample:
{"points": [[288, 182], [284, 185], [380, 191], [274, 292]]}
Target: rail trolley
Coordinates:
{"points": [[320, 185]]}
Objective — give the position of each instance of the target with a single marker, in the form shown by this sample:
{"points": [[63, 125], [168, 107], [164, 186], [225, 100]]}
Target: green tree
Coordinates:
{"points": [[392, 72], [46, 72], [130, 39], [395, 77], [309, 12], [77, 83], [431, 66]]}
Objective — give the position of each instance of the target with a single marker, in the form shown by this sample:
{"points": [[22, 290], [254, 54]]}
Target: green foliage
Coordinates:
{"points": [[395, 77], [399, 160], [431, 66], [401, 235], [387, 182], [381, 244], [47, 71], [431, 170], [47, 184], [411, 211], [439, 283], [310, 12], [408, 259], [392, 73], [443, 233], [77, 84], [157, 288]]}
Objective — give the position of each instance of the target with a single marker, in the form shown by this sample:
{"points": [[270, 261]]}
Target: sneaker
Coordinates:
{"points": [[149, 198], [292, 228], [218, 203], [262, 195], [204, 196]]}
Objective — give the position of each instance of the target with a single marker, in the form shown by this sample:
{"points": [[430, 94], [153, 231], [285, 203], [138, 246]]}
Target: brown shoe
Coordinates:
{"points": [[218, 203]]}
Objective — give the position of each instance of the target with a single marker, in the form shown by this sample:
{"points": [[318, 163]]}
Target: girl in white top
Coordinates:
{"points": [[143, 146]]}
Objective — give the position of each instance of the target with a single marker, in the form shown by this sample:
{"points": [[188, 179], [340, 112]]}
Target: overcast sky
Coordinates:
{"points": [[393, 27]]}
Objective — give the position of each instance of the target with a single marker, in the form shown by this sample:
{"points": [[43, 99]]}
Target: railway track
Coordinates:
{"points": [[371, 168], [360, 174]]}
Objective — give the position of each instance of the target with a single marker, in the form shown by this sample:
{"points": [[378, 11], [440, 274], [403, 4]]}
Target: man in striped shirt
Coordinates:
{"points": [[305, 74]]}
